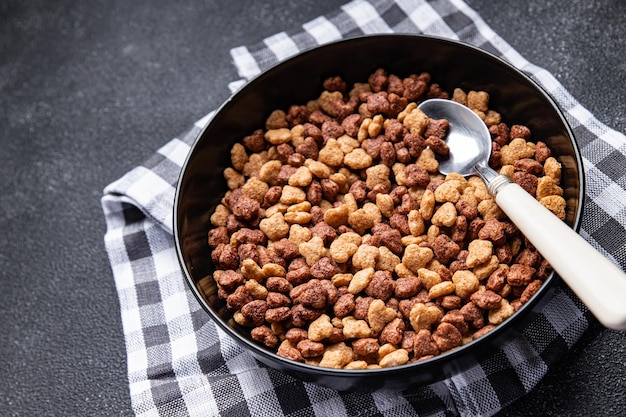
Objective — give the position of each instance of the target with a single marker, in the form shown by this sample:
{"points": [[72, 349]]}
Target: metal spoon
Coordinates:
{"points": [[599, 283]]}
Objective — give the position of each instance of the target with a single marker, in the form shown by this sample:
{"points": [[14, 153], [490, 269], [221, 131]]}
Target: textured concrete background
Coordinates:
{"points": [[89, 89]]}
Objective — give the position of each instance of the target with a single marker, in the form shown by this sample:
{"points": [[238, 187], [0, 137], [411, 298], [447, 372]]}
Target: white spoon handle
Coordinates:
{"points": [[599, 283]]}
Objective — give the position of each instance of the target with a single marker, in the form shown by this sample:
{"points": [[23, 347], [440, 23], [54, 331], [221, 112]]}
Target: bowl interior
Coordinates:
{"points": [[451, 64]]}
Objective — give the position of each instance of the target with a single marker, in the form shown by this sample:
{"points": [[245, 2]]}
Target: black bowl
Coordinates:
{"points": [[299, 79]]}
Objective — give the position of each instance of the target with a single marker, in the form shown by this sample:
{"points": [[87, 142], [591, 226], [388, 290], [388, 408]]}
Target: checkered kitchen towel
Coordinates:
{"points": [[180, 363]]}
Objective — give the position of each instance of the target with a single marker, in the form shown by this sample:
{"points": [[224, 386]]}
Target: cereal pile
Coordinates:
{"points": [[339, 244]]}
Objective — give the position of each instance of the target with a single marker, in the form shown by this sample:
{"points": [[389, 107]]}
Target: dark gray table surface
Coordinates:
{"points": [[89, 89]]}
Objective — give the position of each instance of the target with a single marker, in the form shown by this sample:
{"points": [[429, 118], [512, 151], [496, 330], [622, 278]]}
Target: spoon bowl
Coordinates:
{"points": [[599, 283], [468, 137]]}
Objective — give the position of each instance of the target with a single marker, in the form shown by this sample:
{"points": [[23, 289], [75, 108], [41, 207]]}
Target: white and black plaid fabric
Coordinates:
{"points": [[180, 363]]}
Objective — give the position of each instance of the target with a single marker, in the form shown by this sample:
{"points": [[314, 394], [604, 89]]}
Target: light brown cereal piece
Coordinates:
{"points": [[251, 270], [337, 356], [385, 204], [301, 178], [427, 161], [355, 329], [432, 233], [238, 156], [320, 328], [276, 119], [299, 234], [485, 269], [350, 202], [256, 290], [507, 170], [358, 88], [218, 218], [357, 159], [498, 315], [233, 178], [363, 129], [478, 101], [450, 191], [465, 283], [415, 121], [351, 237], [297, 135], [375, 126], [254, 164], [337, 216], [387, 260], [399, 172], [403, 272], [240, 319], [347, 143], [365, 257], [480, 190], [427, 205], [341, 180], [490, 210], [492, 118], [377, 174], [459, 96], [364, 218], [416, 257], [396, 358], [378, 315], [278, 136], [341, 280], [276, 208], [547, 186], [268, 172], [556, 204], [318, 169], [463, 183], [297, 217], [479, 252], [385, 350], [287, 349], [408, 109], [327, 100], [441, 289], [292, 195], [356, 365], [428, 278], [360, 280], [552, 168], [417, 227], [273, 270], [325, 205], [417, 193], [505, 291], [275, 227], [445, 215], [313, 250], [255, 189], [303, 206], [314, 361], [413, 240], [515, 150], [422, 316], [342, 248]]}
